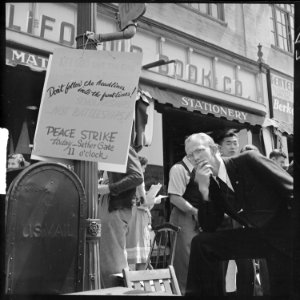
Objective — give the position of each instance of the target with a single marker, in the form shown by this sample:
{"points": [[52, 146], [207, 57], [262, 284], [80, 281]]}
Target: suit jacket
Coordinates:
{"points": [[263, 194], [122, 186]]}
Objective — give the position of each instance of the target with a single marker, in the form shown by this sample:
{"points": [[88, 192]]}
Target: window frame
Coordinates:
{"points": [[220, 10], [287, 14]]}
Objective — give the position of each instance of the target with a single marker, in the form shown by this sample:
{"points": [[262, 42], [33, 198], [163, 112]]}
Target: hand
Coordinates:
{"points": [[103, 189], [202, 177], [150, 200], [157, 200]]}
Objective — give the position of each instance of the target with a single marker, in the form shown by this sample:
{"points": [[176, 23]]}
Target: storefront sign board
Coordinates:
{"points": [[19, 57], [87, 107], [283, 101], [202, 105], [57, 24]]}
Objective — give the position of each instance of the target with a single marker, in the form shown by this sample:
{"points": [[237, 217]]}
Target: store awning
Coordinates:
{"points": [[16, 57], [286, 128], [281, 126], [203, 106]]}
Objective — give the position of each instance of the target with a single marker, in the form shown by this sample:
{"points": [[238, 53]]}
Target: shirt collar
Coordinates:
{"points": [[188, 164], [223, 175]]}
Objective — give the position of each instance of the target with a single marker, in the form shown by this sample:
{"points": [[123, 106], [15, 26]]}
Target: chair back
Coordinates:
{"points": [[163, 246], [156, 280]]}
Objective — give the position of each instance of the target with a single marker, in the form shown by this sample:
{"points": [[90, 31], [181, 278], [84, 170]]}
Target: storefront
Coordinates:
{"points": [[181, 114], [23, 83], [202, 88], [33, 31], [283, 112], [205, 93]]}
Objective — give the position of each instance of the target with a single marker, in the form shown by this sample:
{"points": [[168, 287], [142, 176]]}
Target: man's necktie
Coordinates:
{"points": [[233, 204], [229, 195], [223, 186]]}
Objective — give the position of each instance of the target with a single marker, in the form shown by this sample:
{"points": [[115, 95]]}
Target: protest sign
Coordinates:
{"points": [[87, 107]]}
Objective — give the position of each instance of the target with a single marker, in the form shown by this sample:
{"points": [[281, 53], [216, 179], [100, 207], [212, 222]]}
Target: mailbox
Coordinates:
{"points": [[45, 231]]}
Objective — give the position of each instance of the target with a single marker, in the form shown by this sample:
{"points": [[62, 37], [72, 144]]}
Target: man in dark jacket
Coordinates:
{"points": [[257, 193], [115, 214]]}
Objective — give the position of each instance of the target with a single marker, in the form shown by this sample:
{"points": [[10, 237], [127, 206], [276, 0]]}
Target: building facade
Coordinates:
{"points": [[229, 65]]}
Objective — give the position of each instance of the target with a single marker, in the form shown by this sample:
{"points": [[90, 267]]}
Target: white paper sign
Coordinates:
{"points": [[87, 107], [154, 189]]}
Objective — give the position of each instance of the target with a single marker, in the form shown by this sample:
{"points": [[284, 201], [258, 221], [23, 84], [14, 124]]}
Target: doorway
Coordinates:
{"points": [[178, 124]]}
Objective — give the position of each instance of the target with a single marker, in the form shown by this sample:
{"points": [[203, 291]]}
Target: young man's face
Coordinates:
{"points": [[229, 146]]}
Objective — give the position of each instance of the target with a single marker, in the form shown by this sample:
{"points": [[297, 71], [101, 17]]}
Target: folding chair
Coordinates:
{"points": [[163, 246], [158, 280], [162, 249]]}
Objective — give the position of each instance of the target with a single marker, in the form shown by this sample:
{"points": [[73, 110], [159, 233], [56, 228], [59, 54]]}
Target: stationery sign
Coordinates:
{"points": [[87, 107]]}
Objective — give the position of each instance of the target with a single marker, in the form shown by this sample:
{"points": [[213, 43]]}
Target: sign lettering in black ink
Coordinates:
{"points": [[88, 83], [107, 147], [90, 148], [111, 84], [58, 142], [89, 92], [114, 95], [54, 91], [57, 131], [72, 85], [91, 154], [99, 135], [85, 144]]}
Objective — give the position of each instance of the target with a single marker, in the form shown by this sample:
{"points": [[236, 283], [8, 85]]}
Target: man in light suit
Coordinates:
{"points": [[257, 193]]}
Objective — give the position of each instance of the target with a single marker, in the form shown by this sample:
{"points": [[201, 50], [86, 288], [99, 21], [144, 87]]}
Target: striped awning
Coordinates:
{"points": [[204, 106]]}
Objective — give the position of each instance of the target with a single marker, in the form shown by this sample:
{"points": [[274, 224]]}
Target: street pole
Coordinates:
{"points": [[88, 171]]}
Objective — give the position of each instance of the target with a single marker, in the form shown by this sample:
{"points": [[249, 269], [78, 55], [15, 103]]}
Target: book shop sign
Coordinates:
{"points": [[87, 107]]}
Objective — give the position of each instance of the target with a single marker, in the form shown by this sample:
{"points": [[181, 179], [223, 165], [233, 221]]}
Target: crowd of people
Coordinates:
{"points": [[233, 205], [234, 213]]}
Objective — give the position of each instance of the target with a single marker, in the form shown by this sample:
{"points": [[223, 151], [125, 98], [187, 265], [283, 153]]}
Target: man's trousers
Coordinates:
{"points": [[208, 250]]}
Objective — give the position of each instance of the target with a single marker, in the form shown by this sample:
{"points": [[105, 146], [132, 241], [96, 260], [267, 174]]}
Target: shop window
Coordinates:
{"points": [[214, 10], [283, 26]]}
